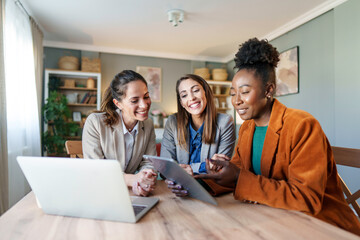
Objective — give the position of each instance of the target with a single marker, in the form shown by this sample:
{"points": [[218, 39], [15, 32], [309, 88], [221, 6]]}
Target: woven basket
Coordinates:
{"points": [[69, 83], [219, 74], [88, 65], [69, 63], [202, 72]]}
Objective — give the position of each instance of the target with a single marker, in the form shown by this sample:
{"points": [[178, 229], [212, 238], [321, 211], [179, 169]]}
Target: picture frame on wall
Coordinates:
{"points": [[152, 76], [287, 72]]}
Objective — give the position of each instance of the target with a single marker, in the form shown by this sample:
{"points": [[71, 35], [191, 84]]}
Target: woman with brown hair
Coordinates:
{"points": [[283, 158], [123, 131], [196, 132]]}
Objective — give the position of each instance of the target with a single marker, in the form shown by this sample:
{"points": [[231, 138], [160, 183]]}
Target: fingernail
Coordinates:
{"points": [[184, 191], [179, 187]]}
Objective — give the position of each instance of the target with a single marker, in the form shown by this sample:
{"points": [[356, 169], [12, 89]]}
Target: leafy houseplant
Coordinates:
{"points": [[56, 113]]}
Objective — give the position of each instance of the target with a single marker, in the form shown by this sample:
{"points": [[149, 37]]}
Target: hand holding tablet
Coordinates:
{"points": [[173, 172]]}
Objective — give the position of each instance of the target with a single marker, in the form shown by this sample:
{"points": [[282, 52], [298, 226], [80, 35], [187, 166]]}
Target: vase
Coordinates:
{"points": [[156, 120], [72, 97]]}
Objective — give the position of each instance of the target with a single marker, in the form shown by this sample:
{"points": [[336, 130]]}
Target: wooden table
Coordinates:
{"points": [[171, 218]]}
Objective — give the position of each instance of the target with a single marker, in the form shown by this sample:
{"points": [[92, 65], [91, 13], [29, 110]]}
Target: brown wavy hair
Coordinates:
{"points": [[117, 90], [209, 113]]}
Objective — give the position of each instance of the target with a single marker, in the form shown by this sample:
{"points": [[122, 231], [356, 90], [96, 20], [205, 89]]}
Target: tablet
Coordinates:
{"points": [[172, 171]]}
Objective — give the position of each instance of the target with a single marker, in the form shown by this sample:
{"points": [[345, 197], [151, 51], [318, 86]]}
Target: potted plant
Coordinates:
{"points": [[56, 113]]}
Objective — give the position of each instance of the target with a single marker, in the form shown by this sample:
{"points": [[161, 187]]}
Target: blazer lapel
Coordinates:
{"points": [[204, 152], [246, 144], [272, 138], [184, 153], [119, 144], [205, 148]]}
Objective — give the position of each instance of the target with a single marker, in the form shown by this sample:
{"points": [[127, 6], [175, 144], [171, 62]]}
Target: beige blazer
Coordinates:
{"points": [[100, 141]]}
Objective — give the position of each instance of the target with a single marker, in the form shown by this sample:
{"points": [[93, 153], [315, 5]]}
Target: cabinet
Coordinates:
{"points": [[222, 99], [79, 87], [82, 90]]}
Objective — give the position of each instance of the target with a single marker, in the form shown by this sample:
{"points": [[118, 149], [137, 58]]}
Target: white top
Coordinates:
{"points": [[129, 140]]}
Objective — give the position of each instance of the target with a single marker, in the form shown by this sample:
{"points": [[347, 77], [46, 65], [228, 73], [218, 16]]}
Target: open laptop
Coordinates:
{"points": [[86, 188], [172, 171]]}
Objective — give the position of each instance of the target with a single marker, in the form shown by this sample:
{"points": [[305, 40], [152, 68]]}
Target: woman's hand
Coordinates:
{"points": [[176, 188], [144, 182], [227, 176], [187, 168], [220, 157]]}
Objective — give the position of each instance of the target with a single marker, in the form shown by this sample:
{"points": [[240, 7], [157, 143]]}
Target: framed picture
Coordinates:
{"points": [[76, 116], [287, 72], [153, 77]]}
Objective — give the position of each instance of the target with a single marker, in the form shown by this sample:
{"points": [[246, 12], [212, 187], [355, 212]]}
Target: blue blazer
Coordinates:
{"points": [[223, 143]]}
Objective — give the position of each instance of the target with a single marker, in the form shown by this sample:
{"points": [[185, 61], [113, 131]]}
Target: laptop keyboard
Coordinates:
{"points": [[138, 209]]}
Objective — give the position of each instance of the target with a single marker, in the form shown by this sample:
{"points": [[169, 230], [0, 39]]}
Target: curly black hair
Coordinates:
{"points": [[258, 56]]}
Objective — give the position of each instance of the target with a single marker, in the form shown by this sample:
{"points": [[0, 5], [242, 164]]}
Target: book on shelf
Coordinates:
{"points": [[92, 99], [89, 98], [84, 97]]}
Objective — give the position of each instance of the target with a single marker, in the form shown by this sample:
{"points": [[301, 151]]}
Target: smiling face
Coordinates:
{"points": [[250, 98], [136, 102], [192, 97]]}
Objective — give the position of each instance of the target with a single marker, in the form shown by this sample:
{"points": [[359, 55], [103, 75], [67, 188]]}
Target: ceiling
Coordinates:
{"points": [[212, 29]]}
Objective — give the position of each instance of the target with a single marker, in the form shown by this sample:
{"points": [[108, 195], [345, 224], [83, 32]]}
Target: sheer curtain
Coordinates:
{"points": [[23, 133], [4, 197], [37, 37]]}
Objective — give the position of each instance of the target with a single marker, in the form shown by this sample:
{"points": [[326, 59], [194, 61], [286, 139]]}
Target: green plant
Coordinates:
{"points": [[54, 83], [56, 113]]}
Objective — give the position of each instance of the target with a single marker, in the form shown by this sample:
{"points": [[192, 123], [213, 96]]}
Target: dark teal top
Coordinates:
{"points": [[257, 147]]}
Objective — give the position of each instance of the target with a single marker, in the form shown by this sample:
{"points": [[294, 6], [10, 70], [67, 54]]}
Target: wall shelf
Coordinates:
{"points": [[86, 100], [81, 105], [213, 82], [78, 88], [80, 78], [221, 95], [222, 98]]}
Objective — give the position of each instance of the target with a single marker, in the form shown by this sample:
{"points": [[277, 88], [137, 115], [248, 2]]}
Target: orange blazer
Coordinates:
{"points": [[298, 171]]}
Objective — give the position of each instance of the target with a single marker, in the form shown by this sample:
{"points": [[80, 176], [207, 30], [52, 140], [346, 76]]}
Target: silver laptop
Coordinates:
{"points": [[172, 171], [85, 188]]}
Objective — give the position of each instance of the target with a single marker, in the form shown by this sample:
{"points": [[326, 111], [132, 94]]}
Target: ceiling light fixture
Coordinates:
{"points": [[176, 16]]}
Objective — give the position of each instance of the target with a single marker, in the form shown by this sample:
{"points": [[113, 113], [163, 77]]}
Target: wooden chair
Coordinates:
{"points": [[158, 149], [74, 149], [348, 157]]}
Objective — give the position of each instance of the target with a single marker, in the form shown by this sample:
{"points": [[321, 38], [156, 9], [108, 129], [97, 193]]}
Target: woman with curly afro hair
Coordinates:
{"points": [[283, 158]]}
